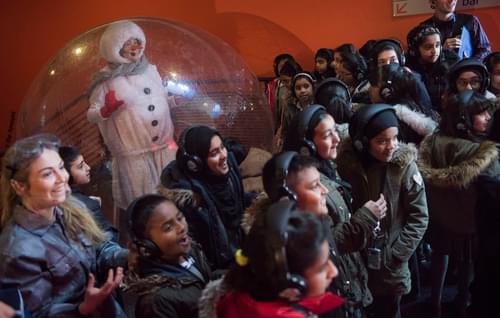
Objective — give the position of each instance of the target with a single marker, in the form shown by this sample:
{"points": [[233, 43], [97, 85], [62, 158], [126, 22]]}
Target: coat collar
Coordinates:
{"points": [[33, 222]]}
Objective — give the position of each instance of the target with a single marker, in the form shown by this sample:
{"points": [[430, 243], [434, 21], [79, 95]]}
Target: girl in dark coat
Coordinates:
{"points": [[204, 182], [171, 271]]}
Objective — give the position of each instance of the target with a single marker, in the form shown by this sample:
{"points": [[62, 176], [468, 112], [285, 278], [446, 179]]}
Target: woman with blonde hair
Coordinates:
{"points": [[50, 247]]}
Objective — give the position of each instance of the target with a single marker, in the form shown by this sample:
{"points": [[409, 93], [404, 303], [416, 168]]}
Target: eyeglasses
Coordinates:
{"points": [[474, 82]]}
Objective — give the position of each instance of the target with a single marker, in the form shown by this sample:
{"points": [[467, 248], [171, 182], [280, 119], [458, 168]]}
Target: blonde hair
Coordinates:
{"points": [[16, 165]]}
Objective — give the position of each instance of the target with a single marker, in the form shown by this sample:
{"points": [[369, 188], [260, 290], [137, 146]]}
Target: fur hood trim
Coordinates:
{"points": [[133, 283], [181, 197], [261, 203], [417, 121], [459, 175], [402, 157], [210, 296]]}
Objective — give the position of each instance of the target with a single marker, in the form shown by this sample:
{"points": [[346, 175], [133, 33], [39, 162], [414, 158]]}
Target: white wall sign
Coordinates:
{"points": [[413, 7]]}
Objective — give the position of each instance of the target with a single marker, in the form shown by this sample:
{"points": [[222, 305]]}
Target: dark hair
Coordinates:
{"points": [[366, 49], [459, 112], [324, 53], [68, 155], [140, 211], [290, 68], [237, 148], [355, 64], [385, 45], [490, 62], [397, 85], [278, 59], [272, 179], [262, 277], [345, 48], [416, 37]]}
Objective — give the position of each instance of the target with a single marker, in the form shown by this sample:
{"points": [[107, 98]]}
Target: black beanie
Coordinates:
{"points": [[197, 141], [380, 122]]}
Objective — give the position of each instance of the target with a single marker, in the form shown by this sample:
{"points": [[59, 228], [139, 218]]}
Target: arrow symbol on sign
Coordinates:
{"points": [[401, 8]]}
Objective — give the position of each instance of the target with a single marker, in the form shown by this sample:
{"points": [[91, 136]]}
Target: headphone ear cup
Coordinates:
{"points": [[358, 144], [308, 148], [297, 282], [194, 163], [147, 247]]}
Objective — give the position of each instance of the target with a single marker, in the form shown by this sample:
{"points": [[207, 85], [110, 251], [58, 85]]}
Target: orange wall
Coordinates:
{"points": [[33, 31]]}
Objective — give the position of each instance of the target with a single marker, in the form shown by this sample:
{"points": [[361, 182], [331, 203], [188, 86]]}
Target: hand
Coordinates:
{"points": [[111, 104], [377, 208], [6, 311], [452, 43], [95, 296]]}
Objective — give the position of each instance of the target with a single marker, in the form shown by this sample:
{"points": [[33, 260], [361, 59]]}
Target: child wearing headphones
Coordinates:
{"points": [[283, 270], [205, 183], [374, 162], [427, 56], [322, 64], [451, 160], [171, 271], [395, 85], [79, 175], [492, 63], [469, 74]]}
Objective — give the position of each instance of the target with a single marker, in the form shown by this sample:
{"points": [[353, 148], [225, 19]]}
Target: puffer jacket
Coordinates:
{"points": [[450, 167], [167, 290], [205, 224], [406, 218], [50, 269]]}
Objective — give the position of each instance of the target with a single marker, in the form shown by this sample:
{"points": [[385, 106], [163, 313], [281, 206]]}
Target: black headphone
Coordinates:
{"points": [[469, 63], [277, 218], [192, 163], [282, 163], [386, 90], [393, 43], [359, 121], [307, 147], [145, 246], [464, 123], [331, 81]]}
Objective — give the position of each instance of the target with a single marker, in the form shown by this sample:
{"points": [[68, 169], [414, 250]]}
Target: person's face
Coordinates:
{"points": [[132, 49], [430, 48], [387, 57], [326, 138], [80, 171], [480, 122], [217, 157], [346, 76], [168, 229], [47, 184], [495, 78], [321, 65], [311, 193], [445, 6], [468, 81], [383, 145], [303, 90], [320, 274], [337, 61]]}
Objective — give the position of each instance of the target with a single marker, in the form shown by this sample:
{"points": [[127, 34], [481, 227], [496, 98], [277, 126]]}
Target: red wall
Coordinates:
{"points": [[33, 31]]}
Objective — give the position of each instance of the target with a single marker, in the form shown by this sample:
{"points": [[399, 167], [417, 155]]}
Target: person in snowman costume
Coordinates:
{"points": [[129, 104]]}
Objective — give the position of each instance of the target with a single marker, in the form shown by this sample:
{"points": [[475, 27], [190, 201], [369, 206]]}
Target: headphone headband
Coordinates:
{"points": [[283, 161], [359, 121], [192, 163]]}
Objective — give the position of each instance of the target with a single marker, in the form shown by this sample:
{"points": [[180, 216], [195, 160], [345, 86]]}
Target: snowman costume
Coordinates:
{"points": [[138, 130]]}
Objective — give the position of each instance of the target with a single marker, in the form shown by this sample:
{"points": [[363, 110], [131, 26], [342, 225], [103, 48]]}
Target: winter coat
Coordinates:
{"points": [[450, 167], [166, 290], [206, 227], [406, 218], [94, 207], [413, 124], [50, 269], [217, 301], [139, 134]]}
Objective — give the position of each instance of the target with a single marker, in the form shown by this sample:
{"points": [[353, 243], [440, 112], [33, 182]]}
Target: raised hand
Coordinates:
{"points": [[95, 296], [111, 104], [377, 208]]}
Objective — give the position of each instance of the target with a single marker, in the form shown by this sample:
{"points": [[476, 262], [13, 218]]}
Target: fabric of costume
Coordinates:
{"points": [[50, 269], [139, 134]]}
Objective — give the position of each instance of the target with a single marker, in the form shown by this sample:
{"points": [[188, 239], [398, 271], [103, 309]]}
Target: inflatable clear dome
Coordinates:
{"points": [[187, 76]]}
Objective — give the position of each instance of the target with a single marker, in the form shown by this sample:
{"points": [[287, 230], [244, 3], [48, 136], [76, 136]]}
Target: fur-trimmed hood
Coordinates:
{"points": [[418, 122], [454, 162], [259, 204], [210, 297], [177, 188], [348, 156]]}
